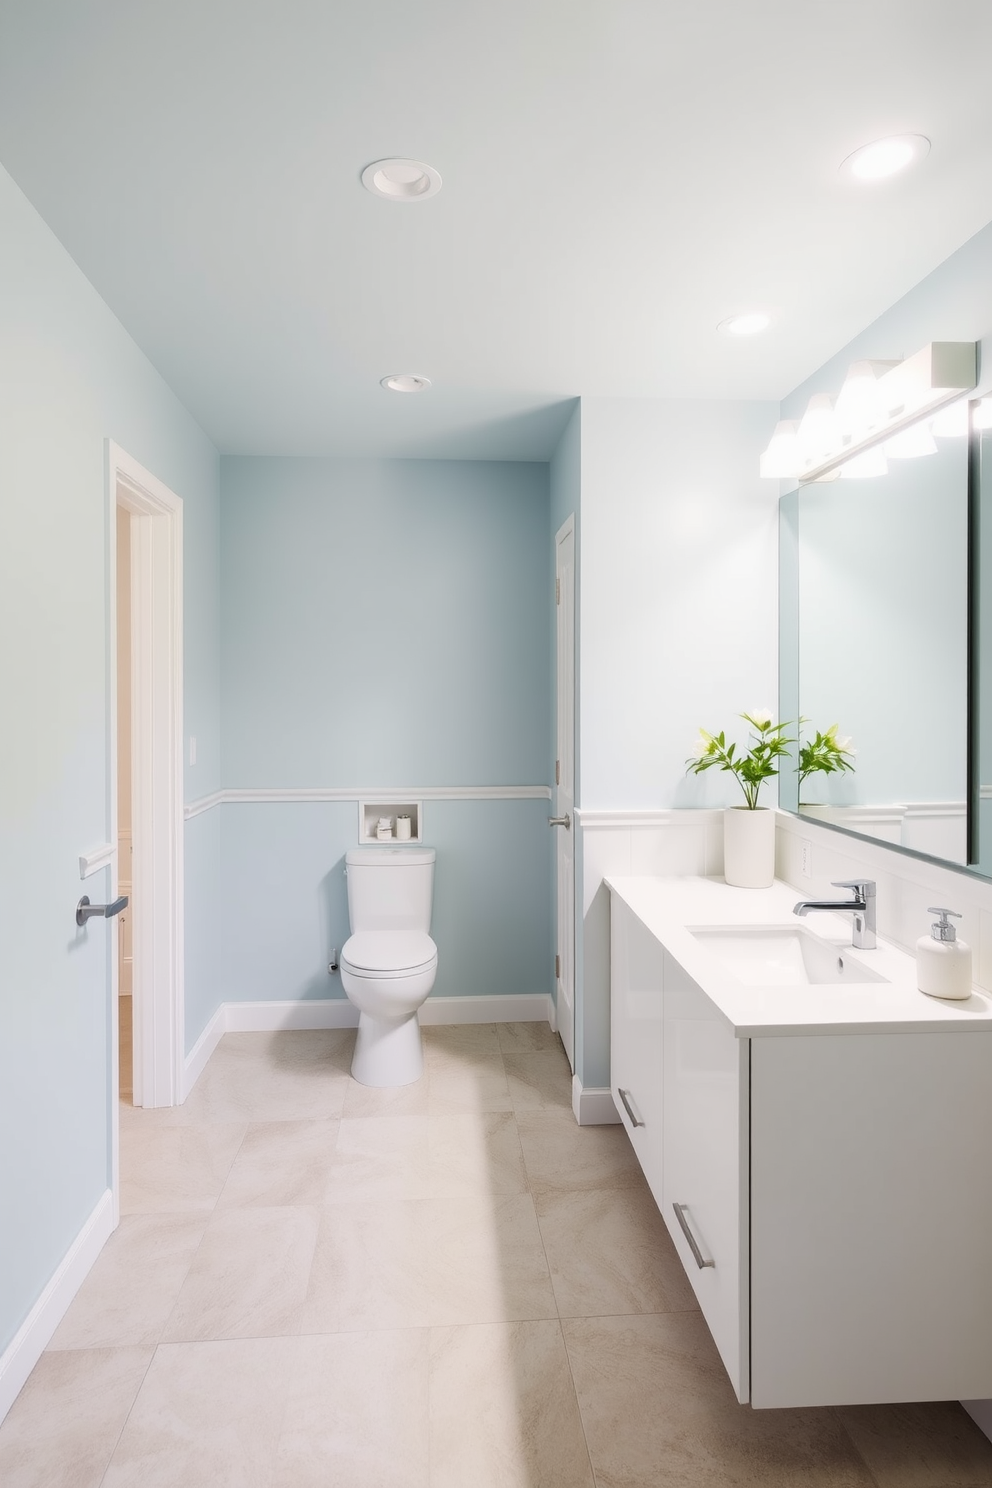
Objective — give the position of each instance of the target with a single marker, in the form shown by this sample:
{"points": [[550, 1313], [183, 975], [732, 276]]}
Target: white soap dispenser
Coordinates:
{"points": [[943, 963]]}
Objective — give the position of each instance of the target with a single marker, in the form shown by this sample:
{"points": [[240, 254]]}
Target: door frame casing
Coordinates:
{"points": [[569, 1038], [156, 772]]}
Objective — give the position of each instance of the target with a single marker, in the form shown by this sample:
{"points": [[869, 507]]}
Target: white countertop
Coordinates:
{"points": [[668, 907]]}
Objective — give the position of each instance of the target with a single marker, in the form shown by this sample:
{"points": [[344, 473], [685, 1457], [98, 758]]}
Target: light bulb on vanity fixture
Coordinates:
{"points": [[860, 405], [782, 459], [818, 434]]}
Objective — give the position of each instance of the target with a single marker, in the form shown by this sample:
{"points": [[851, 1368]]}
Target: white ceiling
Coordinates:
{"points": [[619, 176]]}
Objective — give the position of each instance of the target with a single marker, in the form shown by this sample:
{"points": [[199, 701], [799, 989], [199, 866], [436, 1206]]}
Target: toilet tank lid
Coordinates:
{"points": [[390, 857]]}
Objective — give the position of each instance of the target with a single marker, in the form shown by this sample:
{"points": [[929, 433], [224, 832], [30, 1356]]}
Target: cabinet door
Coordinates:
{"points": [[871, 1214], [637, 962], [704, 1194]]}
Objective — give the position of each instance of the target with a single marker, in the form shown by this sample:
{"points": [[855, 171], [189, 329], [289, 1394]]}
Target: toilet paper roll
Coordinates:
{"points": [[404, 830]]}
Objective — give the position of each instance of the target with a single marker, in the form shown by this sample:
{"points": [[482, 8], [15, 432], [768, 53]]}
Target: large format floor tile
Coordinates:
{"points": [[563, 1158], [446, 1286], [539, 1082], [281, 1163], [208, 1415], [64, 1425], [920, 1446], [428, 1262], [659, 1412], [503, 1412], [414, 1157], [610, 1253], [464, 1070], [295, 1076], [175, 1168], [249, 1277], [133, 1287], [356, 1412]]}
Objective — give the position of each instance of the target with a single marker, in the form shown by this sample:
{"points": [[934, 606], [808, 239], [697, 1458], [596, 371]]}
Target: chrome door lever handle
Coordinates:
{"points": [[561, 821], [85, 910]]}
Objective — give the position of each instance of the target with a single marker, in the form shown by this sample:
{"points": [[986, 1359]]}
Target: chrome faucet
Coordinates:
{"points": [[862, 907]]}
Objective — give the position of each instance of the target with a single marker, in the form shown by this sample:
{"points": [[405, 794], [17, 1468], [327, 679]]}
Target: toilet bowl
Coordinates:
{"points": [[389, 962]]}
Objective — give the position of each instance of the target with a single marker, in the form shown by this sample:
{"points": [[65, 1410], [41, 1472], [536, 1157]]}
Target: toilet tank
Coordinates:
{"points": [[390, 888]]}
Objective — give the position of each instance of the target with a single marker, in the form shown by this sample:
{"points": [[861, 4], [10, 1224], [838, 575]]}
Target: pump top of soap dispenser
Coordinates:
{"points": [[942, 929]]}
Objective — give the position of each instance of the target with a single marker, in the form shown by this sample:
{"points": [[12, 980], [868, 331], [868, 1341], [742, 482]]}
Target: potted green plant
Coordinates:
{"points": [[748, 830]]}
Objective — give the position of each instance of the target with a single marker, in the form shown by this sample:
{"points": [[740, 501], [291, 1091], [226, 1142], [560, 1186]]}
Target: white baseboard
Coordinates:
{"points": [[338, 1012], [527, 1007], [35, 1333], [980, 1412], [196, 1059], [593, 1104], [267, 1017]]}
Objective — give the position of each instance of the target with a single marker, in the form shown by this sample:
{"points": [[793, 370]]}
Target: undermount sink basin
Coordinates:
{"points": [[784, 956]]}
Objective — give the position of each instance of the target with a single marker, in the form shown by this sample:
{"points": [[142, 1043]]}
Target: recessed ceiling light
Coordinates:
{"points": [[405, 382], [748, 324], [886, 157], [401, 180]]}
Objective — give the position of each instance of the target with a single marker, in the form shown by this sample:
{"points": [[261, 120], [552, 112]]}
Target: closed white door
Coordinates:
{"points": [[565, 784]]}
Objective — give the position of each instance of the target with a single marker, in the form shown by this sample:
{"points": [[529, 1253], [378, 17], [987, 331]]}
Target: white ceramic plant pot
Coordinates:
{"points": [[749, 847]]}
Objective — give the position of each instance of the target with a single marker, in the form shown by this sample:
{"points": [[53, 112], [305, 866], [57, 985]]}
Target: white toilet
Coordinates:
{"points": [[389, 962]]}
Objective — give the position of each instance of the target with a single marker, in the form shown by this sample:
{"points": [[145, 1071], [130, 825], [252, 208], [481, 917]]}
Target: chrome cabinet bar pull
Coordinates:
{"points": [[85, 910], [697, 1254], [624, 1095], [561, 821]]}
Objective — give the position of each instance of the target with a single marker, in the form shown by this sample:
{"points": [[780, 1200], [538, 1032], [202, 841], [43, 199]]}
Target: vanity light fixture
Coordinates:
{"points": [[750, 323], [907, 393], [818, 433], [913, 442], [781, 458], [405, 382], [885, 157], [864, 467], [401, 180], [860, 405]]}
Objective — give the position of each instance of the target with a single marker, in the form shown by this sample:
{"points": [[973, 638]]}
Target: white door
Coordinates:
{"points": [[565, 784]]}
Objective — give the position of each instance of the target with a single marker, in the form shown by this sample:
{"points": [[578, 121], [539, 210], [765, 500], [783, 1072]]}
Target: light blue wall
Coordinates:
{"points": [[385, 624], [679, 591], [678, 626], [70, 378]]}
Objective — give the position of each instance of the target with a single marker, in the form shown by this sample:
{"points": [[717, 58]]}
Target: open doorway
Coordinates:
{"points": [[146, 736]]}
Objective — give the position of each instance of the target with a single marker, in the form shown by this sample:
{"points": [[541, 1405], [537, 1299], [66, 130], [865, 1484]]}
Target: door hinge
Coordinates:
{"points": [[558, 968], [557, 591], [557, 772]]}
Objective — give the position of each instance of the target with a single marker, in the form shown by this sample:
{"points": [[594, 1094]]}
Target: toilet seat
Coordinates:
{"points": [[388, 953]]}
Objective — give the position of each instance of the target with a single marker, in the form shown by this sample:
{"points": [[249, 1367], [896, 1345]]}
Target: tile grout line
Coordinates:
{"points": [[127, 1417]]}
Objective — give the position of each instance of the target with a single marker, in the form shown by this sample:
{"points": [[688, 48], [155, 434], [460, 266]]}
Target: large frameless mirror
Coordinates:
{"points": [[875, 656]]}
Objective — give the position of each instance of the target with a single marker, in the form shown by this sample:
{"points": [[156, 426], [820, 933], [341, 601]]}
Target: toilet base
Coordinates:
{"points": [[388, 1051]]}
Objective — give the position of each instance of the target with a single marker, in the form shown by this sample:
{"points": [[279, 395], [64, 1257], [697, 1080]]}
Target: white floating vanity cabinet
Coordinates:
{"points": [[829, 1194]]}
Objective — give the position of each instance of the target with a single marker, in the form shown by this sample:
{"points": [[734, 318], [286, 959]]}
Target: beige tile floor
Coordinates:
{"points": [[447, 1286]]}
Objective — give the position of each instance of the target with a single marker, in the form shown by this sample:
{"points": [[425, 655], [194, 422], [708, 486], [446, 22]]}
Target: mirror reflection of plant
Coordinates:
{"points": [[825, 753], [766, 745]]}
